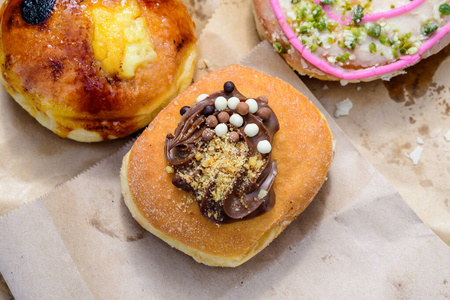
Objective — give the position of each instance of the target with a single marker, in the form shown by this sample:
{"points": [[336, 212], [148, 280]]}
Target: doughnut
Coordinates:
{"points": [[227, 165], [353, 41], [95, 70]]}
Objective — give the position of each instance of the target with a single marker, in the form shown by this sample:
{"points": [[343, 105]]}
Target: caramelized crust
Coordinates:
{"points": [[302, 147], [50, 69]]}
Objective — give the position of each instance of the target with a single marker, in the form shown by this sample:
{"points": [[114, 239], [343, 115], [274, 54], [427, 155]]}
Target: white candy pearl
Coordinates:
{"points": [[221, 129], [233, 102], [251, 129], [236, 120], [264, 146], [252, 105], [220, 103], [202, 97]]}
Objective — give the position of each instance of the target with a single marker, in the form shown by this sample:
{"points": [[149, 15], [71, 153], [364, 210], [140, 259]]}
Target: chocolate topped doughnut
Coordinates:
{"points": [[222, 194]]}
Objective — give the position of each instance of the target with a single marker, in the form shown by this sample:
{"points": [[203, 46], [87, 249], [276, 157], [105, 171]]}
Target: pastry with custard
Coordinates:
{"points": [[227, 165], [95, 70], [353, 41]]}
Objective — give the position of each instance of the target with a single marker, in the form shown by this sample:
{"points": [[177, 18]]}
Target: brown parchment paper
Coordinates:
{"points": [[386, 119], [33, 160], [358, 239]]}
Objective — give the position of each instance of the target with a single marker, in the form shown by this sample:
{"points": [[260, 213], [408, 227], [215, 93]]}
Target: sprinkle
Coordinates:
{"points": [[169, 169], [223, 117], [264, 113], [236, 120], [252, 105], [251, 129], [233, 136], [202, 97], [233, 102], [343, 108], [211, 121], [220, 103], [221, 129], [264, 146], [228, 87], [208, 110], [184, 109], [419, 140], [242, 108], [415, 155], [207, 134]]}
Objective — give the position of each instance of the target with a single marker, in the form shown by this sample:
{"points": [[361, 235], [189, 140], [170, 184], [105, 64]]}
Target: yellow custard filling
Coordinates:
{"points": [[121, 40]]}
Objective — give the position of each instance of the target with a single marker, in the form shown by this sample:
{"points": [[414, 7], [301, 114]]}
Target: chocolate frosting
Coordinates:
{"points": [[246, 198]]}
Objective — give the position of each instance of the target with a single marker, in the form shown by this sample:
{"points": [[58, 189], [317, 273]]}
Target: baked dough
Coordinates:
{"points": [[353, 41], [95, 70], [302, 148]]}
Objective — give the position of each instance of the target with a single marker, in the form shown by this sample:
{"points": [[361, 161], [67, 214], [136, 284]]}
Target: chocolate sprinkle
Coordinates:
{"points": [[208, 110], [184, 109], [228, 87]]}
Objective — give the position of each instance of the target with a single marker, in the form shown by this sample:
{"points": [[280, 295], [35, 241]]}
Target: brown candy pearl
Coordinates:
{"points": [[223, 117], [242, 108], [233, 136], [207, 134], [211, 121], [263, 99], [264, 113]]}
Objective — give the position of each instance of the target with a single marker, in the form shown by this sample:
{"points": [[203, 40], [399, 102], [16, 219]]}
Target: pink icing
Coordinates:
{"points": [[323, 65], [371, 17]]}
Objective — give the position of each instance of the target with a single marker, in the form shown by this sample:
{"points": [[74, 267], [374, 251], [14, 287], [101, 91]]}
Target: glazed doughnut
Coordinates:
{"points": [[227, 165], [95, 70], [353, 40]]}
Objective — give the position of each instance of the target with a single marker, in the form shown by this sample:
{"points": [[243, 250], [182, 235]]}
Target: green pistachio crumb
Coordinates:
{"points": [[357, 14], [444, 9], [374, 30], [429, 28], [313, 47], [356, 31], [382, 39], [372, 48], [305, 29], [394, 52], [321, 24], [279, 48], [317, 11]]}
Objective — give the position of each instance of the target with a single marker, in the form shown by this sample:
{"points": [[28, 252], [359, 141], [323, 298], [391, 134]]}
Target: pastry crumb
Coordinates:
{"points": [[447, 136], [415, 155], [343, 108]]}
